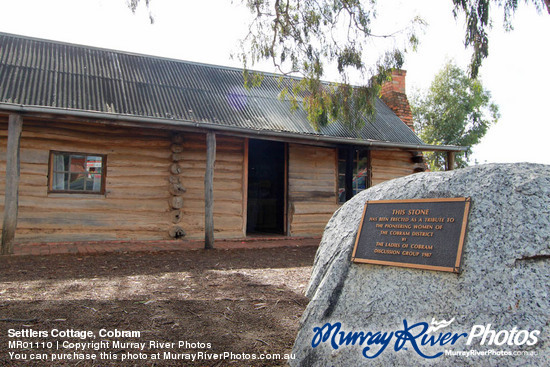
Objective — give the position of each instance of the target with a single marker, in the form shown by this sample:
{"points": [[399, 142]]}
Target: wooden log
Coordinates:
{"points": [[174, 179], [15, 126], [176, 148], [176, 189], [176, 232], [176, 216], [176, 157], [209, 190], [176, 202], [175, 169], [177, 138]]}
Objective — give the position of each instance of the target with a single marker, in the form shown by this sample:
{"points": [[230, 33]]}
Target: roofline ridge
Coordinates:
{"points": [[138, 54]]}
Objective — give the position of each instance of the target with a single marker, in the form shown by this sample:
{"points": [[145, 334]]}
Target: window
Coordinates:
{"points": [[360, 173], [77, 173]]}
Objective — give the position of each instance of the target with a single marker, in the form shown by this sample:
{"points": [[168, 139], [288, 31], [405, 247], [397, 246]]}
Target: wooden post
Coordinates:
{"points": [[12, 183], [209, 190], [450, 161]]}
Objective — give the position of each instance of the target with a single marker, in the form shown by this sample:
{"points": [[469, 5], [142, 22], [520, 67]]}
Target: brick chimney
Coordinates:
{"points": [[394, 96]]}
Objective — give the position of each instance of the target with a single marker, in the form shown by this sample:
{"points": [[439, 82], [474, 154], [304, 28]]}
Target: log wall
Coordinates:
{"points": [[3, 148], [229, 216], [312, 188], [390, 164], [137, 203], [134, 205]]}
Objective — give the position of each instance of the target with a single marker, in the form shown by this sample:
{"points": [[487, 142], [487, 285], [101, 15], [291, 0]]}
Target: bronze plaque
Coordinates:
{"points": [[420, 233]]}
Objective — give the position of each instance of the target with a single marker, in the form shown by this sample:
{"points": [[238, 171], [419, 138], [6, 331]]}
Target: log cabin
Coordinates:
{"points": [[100, 144]]}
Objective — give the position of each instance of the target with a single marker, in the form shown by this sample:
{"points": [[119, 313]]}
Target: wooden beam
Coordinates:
{"points": [[209, 190], [15, 126], [450, 161]]}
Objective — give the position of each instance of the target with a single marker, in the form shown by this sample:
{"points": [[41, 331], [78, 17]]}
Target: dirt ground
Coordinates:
{"points": [[244, 302]]}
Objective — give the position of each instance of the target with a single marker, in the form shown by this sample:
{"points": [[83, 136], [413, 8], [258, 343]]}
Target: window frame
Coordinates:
{"points": [[51, 173], [357, 152]]}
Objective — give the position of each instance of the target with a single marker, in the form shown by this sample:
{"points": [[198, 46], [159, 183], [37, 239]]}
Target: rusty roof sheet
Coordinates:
{"points": [[35, 72]]}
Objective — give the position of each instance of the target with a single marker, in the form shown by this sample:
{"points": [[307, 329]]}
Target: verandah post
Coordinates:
{"points": [[11, 200], [209, 190], [450, 161]]}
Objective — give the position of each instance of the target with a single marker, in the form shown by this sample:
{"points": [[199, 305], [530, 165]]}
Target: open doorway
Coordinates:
{"points": [[266, 187]]}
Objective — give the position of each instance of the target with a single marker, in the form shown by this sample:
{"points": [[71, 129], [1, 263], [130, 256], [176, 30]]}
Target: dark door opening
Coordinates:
{"points": [[266, 187]]}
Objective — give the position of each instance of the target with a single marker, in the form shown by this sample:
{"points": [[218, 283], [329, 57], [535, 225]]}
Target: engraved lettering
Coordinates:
{"points": [[422, 247], [391, 244], [422, 234], [419, 211], [423, 226], [413, 232], [387, 252]]}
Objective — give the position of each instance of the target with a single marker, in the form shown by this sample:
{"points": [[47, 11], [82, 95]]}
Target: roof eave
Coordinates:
{"points": [[28, 109]]}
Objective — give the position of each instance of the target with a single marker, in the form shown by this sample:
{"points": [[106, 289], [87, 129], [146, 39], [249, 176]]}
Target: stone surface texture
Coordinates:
{"points": [[504, 281]]}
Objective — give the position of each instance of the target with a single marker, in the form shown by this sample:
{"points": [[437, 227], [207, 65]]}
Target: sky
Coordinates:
{"points": [[208, 31]]}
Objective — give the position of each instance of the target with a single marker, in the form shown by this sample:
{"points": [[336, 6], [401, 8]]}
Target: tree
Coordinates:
{"points": [[307, 38], [456, 110], [479, 20]]}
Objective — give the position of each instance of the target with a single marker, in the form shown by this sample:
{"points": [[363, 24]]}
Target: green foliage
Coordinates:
{"points": [[133, 5], [307, 38], [456, 110], [478, 22]]}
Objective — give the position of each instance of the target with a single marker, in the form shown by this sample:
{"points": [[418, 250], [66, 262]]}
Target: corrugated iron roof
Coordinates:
{"points": [[35, 72]]}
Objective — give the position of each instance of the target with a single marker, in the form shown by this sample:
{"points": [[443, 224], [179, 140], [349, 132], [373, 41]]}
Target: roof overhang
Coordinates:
{"points": [[185, 125]]}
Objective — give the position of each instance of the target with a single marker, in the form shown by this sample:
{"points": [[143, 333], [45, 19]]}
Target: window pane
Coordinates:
{"points": [[60, 162], [361, 182], [60, 181], [93, 163], [76, 181], [89, 186], [95, 182], [77, 172], [78, 163], [360, 172]]}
